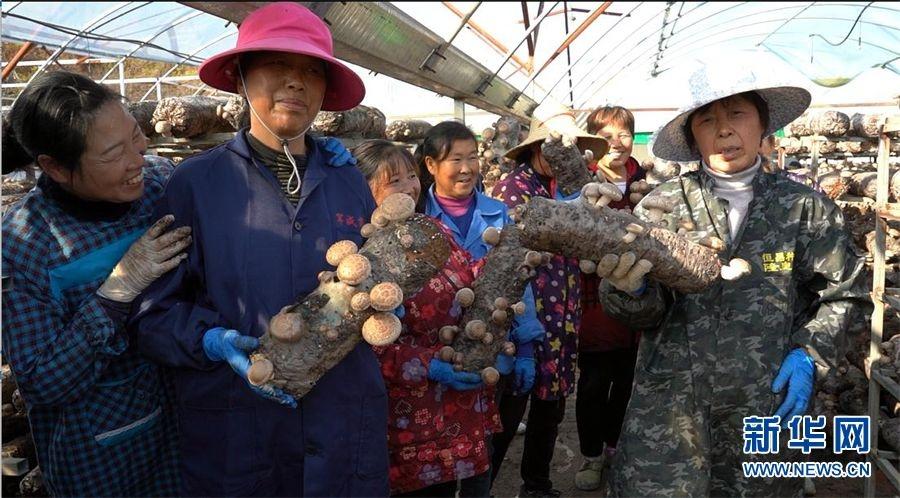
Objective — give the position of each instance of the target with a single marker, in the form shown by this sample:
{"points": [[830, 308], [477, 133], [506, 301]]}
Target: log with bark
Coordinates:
{"points": [[490, 305], [359, 122], [857, 146], [833, 184], [19, 447], [864, 184], [407, 130], [33, 483], [866, 125], [496, 141], [235, 111], [305, 340], [186, 117], [143, 114], [829, 123], [800, 127]]}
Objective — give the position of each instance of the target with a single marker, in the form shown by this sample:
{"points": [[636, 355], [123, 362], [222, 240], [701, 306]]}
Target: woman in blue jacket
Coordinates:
{"points": [[77, 251], [449, 152], [264, 208]]}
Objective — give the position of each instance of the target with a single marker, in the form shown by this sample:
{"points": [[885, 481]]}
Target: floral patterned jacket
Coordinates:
{"points": [[435, 434], [557, 293]]}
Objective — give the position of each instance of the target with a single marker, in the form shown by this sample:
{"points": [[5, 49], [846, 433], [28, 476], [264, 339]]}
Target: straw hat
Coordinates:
{"points": [[712, 82], [553, 116], [287, 27]]}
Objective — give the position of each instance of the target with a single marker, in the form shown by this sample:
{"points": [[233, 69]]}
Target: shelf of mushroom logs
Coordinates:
{"points": [[846, 171]]}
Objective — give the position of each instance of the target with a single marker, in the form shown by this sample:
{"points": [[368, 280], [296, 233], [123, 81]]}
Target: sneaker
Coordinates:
{"points": [[588, 477], [525, 492]]}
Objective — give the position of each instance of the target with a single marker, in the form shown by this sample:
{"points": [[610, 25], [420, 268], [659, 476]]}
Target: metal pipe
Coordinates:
{"points": [[596, 41], [575, 34], [484, 35], [484, 84], [22, 52], [176, 66], [74, 37], [439, 50], [148, 40]]}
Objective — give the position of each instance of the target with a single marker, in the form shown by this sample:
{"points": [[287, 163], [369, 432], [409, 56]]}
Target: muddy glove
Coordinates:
{"points": [[340, 156], [442, 372], [151, 256], [625, 273], [797, 372], [524, 368], [221, 344]]}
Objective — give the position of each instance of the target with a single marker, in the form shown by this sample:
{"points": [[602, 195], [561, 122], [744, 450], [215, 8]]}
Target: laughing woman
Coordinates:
{"points": [[78, 251]]}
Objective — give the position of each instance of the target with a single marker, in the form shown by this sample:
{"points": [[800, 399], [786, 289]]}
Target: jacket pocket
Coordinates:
{"points": [[122, 409]]}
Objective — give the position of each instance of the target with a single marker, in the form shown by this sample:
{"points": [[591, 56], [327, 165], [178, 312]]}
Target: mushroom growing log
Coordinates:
{"points": [[567, 163], [235, 111], [588, 231], [488, 304], [359, 122], [866, 125], [185, 117], [143, 114], [305, 340], [830, 123], [407, 130], [864, 184]]}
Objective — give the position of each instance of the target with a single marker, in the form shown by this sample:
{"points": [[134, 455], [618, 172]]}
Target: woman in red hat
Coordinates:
{"points": [[264, 207]]}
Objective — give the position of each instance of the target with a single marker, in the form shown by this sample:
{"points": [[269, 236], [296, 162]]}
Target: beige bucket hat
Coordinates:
{"points": [[553, 116]]}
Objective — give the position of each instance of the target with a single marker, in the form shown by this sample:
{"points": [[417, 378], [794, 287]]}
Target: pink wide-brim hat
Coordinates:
{"points": [[287, 27]]}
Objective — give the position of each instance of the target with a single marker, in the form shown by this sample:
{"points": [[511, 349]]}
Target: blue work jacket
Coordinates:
{"points": [[489, 213], [254, 253]]}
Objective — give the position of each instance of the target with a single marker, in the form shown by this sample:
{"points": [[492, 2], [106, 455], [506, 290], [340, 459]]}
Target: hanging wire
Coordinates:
{"points": [[848, 33], [589, 49], [94, 36]]}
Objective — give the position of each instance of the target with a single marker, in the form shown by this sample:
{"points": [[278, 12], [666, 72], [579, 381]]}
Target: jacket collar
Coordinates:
{"points": [[315, 161], [483, 205]]}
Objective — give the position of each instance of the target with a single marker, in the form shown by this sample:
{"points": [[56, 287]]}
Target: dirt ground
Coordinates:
{"points": [[567, 460]]}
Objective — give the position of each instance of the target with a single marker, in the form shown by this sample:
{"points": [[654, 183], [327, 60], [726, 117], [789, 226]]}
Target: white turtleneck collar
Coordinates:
{"points": [[737, 189]]}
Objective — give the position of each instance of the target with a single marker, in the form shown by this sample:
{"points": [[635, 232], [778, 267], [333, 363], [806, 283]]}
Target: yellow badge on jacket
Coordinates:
{"points": [[778, 261]]}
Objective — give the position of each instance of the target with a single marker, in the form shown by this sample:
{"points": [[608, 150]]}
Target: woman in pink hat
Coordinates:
{"points": [[264, 207]]}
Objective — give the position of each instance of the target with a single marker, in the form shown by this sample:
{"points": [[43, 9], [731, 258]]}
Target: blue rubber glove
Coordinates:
{"points": [[797, 372], [525, 368], [221, 344], [504, 364], [441, 371], [340, 156]]}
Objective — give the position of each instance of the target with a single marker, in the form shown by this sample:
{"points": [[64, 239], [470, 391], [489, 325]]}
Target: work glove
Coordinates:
{"points": [[148, 258], [797, 372], [524, 369], [625, 272], [442, 372], [221, 344], [505, 364], [339, 155]]}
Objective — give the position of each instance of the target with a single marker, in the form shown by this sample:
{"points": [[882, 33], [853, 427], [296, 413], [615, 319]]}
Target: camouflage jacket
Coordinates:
{"points": [[806, 275]]}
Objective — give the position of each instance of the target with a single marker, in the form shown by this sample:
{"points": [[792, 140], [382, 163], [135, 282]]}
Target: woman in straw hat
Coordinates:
{"points": [[557, 289], [264, 207], [747, 346]]}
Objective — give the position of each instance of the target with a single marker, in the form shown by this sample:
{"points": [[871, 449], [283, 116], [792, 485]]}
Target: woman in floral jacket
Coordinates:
{"points": [[437, 431]]}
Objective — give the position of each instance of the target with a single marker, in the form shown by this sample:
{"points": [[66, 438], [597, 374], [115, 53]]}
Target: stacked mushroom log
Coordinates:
{"points": [[235, 111], [359, 122], [17, 441], [143, 114], [186, 117], [407, 130], [496, 141], [355, 301]]}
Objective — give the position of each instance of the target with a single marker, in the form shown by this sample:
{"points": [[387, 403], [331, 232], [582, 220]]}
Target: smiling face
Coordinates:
{"points": [[728, 134], [620, 145], [391, 179], [111, 167], [455, 175], [286, 91]]}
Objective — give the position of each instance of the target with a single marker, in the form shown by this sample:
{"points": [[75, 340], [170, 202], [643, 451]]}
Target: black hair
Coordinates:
{"points": [[14, 156], [437, 144], [53, 115], [762, 108], [373, 155]]}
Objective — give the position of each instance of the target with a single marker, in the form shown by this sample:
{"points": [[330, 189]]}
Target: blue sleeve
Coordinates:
{"points": [[169, 318], [527, 327], [560, 197], [56, 358]]}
